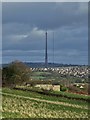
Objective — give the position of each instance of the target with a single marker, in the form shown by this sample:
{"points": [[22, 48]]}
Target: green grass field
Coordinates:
{"points": [[22, 104], [41, 75], [67, 94]]}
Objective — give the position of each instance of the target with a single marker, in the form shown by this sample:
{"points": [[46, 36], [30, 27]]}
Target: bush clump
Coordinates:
{"points": [[15, 73], [63, 88]]}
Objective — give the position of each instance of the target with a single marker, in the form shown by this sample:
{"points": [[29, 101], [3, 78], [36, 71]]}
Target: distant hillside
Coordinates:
{"points": [[42, 65]]}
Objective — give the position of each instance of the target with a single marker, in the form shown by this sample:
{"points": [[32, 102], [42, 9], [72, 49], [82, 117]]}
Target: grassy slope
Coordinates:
{"points": [[28, 108], [60, 93], [37, 95], [19, 107]]}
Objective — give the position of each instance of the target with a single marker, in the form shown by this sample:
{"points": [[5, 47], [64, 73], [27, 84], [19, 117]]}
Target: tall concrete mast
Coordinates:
{"points": [[46, 56]]}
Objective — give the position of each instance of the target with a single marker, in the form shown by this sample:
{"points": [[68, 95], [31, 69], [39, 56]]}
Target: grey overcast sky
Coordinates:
{"points": [[24, 26]]}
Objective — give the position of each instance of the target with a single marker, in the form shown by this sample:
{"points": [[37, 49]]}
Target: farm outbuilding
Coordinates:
{"points": [[48, 87]]}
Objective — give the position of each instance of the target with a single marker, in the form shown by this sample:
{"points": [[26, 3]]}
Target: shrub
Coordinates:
{"points": [[15, 73], [63, 88]]}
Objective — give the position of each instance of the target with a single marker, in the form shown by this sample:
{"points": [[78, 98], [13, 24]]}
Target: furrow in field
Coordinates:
{"points": [[47, 101]]}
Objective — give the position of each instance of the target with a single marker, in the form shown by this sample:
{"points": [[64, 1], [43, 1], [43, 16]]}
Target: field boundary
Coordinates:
{"points": [[47, 101], [54, 94]]}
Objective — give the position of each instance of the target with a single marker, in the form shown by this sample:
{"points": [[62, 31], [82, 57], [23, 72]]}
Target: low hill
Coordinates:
{"points": [[42, 65]]}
